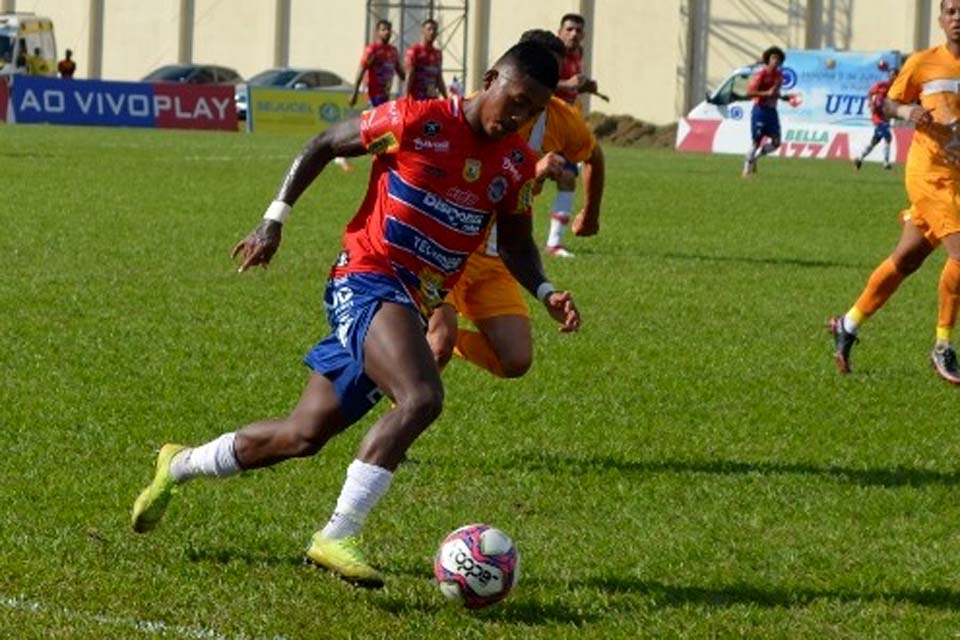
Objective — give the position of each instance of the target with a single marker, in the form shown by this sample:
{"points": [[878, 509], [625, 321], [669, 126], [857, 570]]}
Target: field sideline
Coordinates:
{"points": [[689, 466]]}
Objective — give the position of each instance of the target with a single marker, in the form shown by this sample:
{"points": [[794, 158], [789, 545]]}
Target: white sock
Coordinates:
{"points": [[886, 152], [850, 325], [867, 151], [363, 488], [560, 217], [217, 459]]}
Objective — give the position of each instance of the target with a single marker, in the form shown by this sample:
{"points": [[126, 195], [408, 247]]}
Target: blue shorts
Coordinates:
{"points": [[376, 101], [882, 132], [572, 167], [764, 121], [351, 303]]}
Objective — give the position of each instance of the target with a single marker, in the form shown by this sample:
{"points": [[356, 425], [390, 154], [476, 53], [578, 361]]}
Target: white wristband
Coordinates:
{"points": [[277, 211], [544, 290]]}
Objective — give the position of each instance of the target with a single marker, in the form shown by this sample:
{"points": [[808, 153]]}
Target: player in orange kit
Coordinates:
{"points": [[929, 77]]}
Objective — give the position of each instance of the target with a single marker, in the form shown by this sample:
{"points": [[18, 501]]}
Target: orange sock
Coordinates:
{"points": [[949, 291], [473, 347], [882, 283]]}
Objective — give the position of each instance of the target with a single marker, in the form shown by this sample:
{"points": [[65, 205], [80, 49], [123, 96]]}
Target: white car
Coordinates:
{"points": [[287, 78]]}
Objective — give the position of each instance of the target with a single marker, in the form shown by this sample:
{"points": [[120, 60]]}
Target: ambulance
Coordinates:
{"points": [[27, 45], [827, 117]]}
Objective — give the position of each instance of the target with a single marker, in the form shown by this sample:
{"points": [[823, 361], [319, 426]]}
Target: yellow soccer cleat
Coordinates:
{"points": [[152, 501], [343, 558]]}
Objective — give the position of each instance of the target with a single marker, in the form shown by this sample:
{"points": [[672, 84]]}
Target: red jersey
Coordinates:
{"points": [[425, 63], [571, 65], [764, 80], [66, 68], [877, 94], [435, 188], [381, 62]]}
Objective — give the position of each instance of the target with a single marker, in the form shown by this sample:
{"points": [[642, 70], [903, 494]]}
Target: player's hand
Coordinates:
{"points": [[585, 224], [353, 100], [920, 116], [587, 85], [561, 308], [553, 165], [259, 246]]}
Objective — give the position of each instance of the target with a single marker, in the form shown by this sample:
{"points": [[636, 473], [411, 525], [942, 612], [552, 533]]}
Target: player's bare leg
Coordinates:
{"points": [[511, 341]]}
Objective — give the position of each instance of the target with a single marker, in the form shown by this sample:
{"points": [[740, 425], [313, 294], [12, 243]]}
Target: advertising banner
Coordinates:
{"points": [[123, 104], [296, 111], [828, 116]]}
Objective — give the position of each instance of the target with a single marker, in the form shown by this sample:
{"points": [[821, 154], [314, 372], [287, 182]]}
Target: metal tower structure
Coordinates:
{"points": [[407, 16]]}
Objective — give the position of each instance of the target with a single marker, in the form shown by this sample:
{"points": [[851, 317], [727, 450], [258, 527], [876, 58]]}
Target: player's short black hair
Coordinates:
{"points": [[429, 21], [384, 23], [535, 61], [572, 17], [771, 51], [546, 39]]}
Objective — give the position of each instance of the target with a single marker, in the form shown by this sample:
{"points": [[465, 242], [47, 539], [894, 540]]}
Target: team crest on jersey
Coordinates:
{"points": [[471, 170], [343, 258], [497, 189], [386, 142], [516, 156], [431, 128]]}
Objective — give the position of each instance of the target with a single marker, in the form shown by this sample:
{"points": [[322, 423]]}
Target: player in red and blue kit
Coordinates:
{"points": [[444, 171], [424, 64], [380, 61], [764, 88], [881, 124]]}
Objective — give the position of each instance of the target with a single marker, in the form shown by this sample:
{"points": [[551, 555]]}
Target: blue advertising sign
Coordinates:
{"points": [[85, 102], [832, 86]]}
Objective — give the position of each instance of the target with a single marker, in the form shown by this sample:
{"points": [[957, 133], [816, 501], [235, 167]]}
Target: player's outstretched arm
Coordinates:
{"points": [[342, 139], [359, 81], [587, 222], [519, 253]]}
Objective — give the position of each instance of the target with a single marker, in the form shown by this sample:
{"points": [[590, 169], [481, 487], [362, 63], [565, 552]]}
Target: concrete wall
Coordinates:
{"points": [[637, 48]]}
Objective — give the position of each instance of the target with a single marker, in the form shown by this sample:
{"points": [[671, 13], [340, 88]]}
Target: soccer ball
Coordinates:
{"points": [[477, 565]]}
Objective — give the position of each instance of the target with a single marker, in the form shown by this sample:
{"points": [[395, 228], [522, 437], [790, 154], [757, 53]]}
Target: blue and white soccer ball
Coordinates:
{"points": [[477, 565]]}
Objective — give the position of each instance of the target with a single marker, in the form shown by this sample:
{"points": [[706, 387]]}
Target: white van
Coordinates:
{"points": [[831, 119], [27, 45]]}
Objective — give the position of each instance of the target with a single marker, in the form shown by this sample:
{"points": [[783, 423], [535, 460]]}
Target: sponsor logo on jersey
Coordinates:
{"points": [[384, 143], [440, 146], [462, 196], [517, 156], [525, 198], [343, 259], [511, 168], [431, 128], [472, 169], [497, 189]]}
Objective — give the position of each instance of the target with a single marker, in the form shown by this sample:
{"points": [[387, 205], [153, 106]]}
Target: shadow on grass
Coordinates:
{"points": [[870, 477], [777, 262], [665, 595], [521, 611], [226, 555]]}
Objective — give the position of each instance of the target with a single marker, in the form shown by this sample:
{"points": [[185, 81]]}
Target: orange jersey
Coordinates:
{"points": [[561, 129], [932, 78]]}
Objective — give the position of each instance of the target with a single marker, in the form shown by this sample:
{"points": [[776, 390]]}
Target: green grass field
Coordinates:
{"points": [[689, 465]]}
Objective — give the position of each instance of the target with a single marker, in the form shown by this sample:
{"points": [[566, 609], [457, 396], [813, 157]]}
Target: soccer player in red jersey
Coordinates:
{"points": [[424, 64], [764, 88], [881, 123], [443, 171], [379, 62]]}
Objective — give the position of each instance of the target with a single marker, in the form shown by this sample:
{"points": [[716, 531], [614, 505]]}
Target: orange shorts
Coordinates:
{"points": [[934, 205], [486, 289]]}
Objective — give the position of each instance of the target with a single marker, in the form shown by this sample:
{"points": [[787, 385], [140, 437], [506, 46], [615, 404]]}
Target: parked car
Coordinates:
{"points": [[286, 78], [194, 74]]}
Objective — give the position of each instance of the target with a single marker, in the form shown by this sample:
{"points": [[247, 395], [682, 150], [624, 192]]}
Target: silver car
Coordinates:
{"points": [[287, 78]]}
